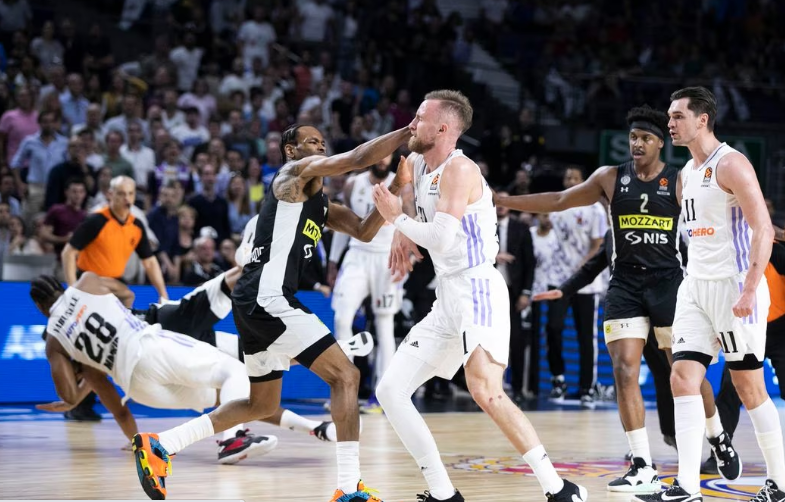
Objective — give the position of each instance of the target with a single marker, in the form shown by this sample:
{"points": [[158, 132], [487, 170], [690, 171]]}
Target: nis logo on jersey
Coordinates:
{"points": [[643, 221]]}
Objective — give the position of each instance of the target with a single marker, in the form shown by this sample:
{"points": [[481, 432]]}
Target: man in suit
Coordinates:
{"points": [[515, 261]]}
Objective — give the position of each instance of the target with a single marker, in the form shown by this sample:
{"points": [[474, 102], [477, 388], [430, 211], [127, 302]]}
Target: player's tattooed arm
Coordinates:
{"points": [[288, 186]]}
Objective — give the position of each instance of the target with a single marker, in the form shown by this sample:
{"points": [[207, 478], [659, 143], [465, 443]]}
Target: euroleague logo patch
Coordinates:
{"points": [[711, 485]]}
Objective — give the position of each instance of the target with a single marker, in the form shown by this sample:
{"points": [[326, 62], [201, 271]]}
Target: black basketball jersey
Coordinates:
{"points": [[286, 237], [644, 217]]}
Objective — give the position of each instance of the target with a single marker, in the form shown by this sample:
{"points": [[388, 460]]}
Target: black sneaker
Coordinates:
{"points": [[82, 414], [427, 497], [321, 431], [710, 465], [728, 461], [559, 390], [769, 493], [640, 478], [570, 493], [673, 494], [244, 445]]}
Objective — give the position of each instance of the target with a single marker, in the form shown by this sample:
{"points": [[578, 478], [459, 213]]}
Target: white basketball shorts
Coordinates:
{"points": [[362, 274]]}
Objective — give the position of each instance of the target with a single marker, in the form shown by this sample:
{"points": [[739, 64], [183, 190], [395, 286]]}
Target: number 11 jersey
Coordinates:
{"points": [[98, 331]]}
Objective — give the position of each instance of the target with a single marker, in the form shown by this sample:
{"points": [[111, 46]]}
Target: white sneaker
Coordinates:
{"points": [[640, 478]]}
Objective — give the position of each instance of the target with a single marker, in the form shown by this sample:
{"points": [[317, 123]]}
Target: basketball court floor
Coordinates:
{"points": [[44, 457]]}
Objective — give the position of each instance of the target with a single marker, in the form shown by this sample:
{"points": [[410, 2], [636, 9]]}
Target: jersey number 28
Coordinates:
{"points": [[95, 341]]}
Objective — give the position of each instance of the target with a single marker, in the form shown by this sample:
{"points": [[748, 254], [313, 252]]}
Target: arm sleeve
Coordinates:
{"points": [[338, 245], [778, 258], [527, 254], [438, 235], [583, 277], [87, 231], [143, 248]]}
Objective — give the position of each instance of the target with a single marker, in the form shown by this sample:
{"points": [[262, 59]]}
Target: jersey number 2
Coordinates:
{"points": [[645, 199]]}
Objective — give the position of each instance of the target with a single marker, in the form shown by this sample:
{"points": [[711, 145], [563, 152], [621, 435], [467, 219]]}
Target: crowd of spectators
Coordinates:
{"points": [[591, 60]]}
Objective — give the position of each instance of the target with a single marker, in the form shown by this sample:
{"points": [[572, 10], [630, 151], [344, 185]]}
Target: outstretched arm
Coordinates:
{"points": [[342, 219], [62, 372], [585, 194], [109, 397]]}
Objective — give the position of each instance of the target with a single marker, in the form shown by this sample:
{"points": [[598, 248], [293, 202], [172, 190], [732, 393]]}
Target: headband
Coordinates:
{"points": [[645, 125]]}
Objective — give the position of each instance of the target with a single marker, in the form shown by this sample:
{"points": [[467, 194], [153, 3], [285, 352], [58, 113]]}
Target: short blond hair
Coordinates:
{"points": [[456, 103]]}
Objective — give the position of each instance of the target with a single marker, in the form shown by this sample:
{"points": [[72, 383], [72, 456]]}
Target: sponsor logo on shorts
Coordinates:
{"points": [[711, 485], [313, 231], [700, 232], [643, 221]]}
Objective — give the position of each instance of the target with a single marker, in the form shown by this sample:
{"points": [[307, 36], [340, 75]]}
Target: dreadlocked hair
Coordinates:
{"points": [[44, 289]]}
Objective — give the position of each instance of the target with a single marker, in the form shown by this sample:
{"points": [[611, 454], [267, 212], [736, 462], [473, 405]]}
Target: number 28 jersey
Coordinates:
{"points": [[98, 331]]}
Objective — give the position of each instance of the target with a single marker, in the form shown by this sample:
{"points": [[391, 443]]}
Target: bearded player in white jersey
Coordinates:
{"points": [[364, 273], [469, 323], [724, 301]]}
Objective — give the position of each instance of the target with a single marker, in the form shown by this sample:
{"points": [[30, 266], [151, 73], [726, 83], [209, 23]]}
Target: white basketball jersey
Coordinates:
{"points": [[720, 238], [361, 202], [98, 331], [476, 243]]}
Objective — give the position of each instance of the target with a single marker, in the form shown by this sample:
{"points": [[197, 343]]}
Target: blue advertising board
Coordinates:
{"points": [[24, 372]]}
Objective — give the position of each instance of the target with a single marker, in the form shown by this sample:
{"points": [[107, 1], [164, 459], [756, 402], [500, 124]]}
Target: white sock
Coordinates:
{"points": [[348, 456], [233, 384], [689, 439], [184, 435], [232, 433], [295, 422], [766, 421], [714, 425], [385, 344], [541, 464], [433, 469], [639, 444]]}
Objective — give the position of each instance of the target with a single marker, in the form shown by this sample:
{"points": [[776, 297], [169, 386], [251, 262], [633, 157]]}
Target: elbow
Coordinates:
{"points": [[365, 236]]}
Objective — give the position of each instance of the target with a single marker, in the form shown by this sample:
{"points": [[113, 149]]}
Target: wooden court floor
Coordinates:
{"points": [[59, 460]]}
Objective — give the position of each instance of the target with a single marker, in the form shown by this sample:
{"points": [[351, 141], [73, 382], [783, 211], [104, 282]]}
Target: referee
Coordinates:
{"points": [[105, 240]]}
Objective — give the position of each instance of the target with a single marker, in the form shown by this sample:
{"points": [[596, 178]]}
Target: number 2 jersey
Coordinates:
{"points": [[98, 331], [644, 217]]}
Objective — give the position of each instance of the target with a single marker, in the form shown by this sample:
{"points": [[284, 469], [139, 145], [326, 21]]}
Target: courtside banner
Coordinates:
{"points": [[24, 371]]}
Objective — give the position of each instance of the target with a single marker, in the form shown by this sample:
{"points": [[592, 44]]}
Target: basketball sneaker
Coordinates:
{"points": [[769, 493], [372, 406], [640, 478], [728, 461], [587, 399], [362, 494], [325, 431], [153, 464], [673, 494], [559, 389], [244, 445], [570, 493], [427, 497]]}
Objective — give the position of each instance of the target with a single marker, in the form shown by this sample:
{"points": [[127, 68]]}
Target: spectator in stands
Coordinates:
{"points": [[283, 118], [345, 107], [314, 17], [141, 158], [163, 221], [113, 159], [93, 120], [171, 115], [46, 47], [226, 254], [234, 80], [20, 242], [203, 267], [74, 102], [112, 98], [187, 58], [235, 166], [201, 98], [14, 16], [255, 185], [92, 149], [353, 140], [39, 152], [172, 168], [182, 251], [239, 139], [73, 48], [212, 209], [402, 110], [99, 57], [8, 193], [5, 232], [255, 36], [17, 123], [62, 219], [191, 134], [240, 208], [75, 167], [130, 113], [103, 180], [158, 59]]}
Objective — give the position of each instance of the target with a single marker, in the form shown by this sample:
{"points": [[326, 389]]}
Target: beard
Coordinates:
{"points": [[379, 173], [418, 145]]}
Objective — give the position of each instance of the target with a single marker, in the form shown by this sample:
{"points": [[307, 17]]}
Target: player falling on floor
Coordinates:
{"points": [[158, 368], [274, 326], [364, 273], [469, 323], [644, 197], [724, 300]]}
